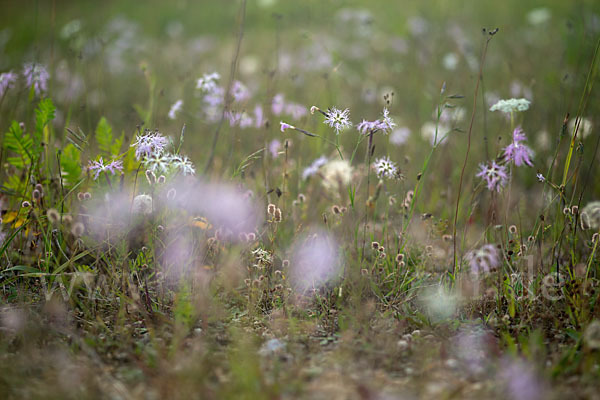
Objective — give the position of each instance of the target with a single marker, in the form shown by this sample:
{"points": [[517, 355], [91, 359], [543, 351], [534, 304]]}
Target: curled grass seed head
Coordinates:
{"points": [[150, 177], [575, 210]]}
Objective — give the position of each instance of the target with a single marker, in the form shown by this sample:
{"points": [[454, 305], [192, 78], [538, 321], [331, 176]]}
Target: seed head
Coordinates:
{"points": [[575, 210], [53, 216], [399, 257], [150, 177], [77, 229], [375, 245], [285, 263], [36, 195], [336, 210], [26, 204], [277, 215], [512, 229], [87, 196], [161, 179], [271, 209]]}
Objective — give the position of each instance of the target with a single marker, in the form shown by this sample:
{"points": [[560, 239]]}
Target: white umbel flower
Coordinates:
{"points": [[511, 105]]}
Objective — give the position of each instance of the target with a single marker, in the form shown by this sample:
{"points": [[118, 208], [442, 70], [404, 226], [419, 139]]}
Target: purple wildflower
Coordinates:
{"points": [[7, 81], [37, 77], [385, 125], [175, 108], [259, 120], [541, 177], [518, 152], [284, 126], [215, 96], [278, 104], [338, 119], [520, 380], [274, 148], [485, 259], [149, 143], [495, 175], [98, 166], [239, 91], [314, 167], [297, 111]]}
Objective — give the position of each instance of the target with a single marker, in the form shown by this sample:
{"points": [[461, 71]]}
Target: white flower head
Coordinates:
{"points": [[511, 105], [385, 168], [336, 174], [208, 82], [337, 119]]}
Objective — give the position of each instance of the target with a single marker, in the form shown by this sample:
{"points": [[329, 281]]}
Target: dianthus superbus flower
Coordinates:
{"points": [[7, 81], [98, 166], [385, 125], [148, 144], [494, 174], [338, 119], [36, 76], [385, 168], [518, 152]]}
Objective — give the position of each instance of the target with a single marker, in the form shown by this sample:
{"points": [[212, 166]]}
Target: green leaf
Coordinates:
{"points": [[44, 114], [115, 148], [18, 142], [104, 136], [70, 164]]}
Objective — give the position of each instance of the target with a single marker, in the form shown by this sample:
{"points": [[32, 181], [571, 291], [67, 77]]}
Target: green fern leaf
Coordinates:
{"points": [[104, 136]]}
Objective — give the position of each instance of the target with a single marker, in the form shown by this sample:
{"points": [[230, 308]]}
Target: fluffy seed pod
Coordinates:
{"points": [[301, 198], [251, 237], [87, 196], [277, 215], [53, 216], [80, 196], [36, 195], [512, 229], [271, 209], [336, 210], [161, 179], [26, 204], [77, 229], [285, 263], [375, 245], [400, 257]]}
